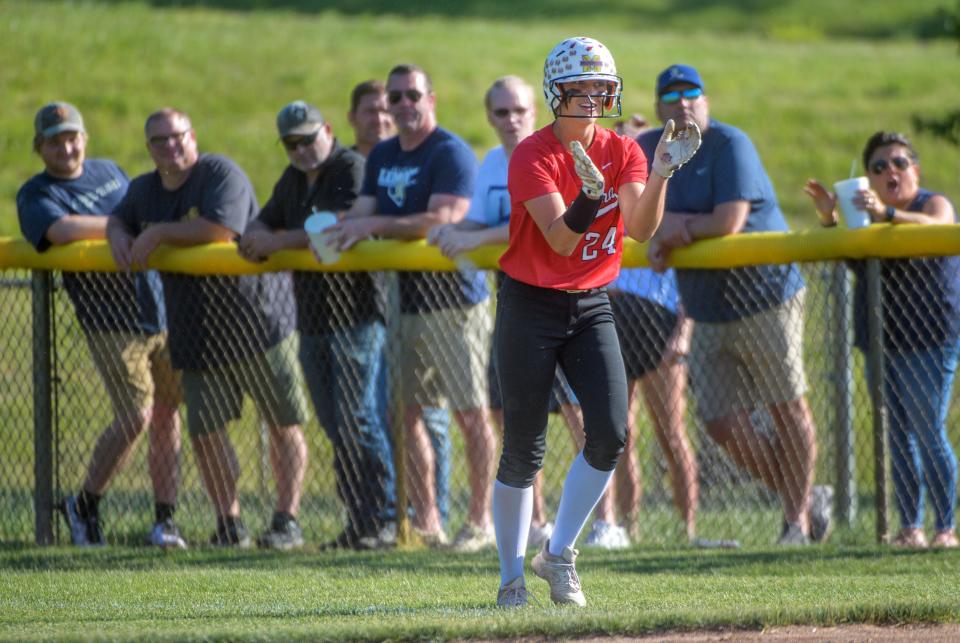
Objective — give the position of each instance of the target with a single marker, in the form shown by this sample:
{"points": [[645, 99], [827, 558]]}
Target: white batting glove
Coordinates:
{"points": [[675, 148], [587, 171]]}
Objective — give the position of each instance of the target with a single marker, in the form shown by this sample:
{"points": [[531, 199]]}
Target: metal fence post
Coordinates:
{"points": [[42, 410], [876, 383], [842, 395], [397, 411]]}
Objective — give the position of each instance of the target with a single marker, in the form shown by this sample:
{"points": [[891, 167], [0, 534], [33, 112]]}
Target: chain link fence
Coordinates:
{"points": [[434, 368]]}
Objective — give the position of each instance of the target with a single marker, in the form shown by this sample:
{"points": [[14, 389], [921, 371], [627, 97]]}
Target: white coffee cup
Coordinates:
{"points": [[315, 225], [846, 189]]}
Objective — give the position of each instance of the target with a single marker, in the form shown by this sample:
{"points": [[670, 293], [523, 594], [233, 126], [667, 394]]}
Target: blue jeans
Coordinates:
{"points": [[343, 373], [437, 422], [917, 387]]}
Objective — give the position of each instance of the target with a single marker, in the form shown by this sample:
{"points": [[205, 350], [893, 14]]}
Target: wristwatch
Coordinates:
{"points": [[890, 212]]}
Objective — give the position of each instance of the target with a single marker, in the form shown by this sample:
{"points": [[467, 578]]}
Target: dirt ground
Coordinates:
{"points": [[794, 634]]}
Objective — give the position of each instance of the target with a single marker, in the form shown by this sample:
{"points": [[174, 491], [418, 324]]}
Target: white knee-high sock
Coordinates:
{"points": [[512, 509], [581, 492]]}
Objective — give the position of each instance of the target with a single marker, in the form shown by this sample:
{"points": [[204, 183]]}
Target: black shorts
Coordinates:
{"points": [[644, 327]]}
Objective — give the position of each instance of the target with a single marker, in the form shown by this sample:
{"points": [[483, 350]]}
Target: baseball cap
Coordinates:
{"points": [[298, 118], [54, 118], [678, 74]]}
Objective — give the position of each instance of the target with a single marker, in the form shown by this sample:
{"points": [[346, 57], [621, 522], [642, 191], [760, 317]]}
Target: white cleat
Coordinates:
{"points": [[513, 594], [561, 574]]}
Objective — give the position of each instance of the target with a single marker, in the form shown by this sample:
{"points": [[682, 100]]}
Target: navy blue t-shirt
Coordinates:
{"points": [[213, 319], [921, 299], [403, 182], [105, 302], [728, 168]]}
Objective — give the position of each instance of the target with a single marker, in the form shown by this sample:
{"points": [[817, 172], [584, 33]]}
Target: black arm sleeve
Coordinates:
{"points": [[581, 213]]}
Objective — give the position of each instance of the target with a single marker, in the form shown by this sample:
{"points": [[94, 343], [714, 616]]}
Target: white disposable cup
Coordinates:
{"points": [[846, 190], [315, 225]]}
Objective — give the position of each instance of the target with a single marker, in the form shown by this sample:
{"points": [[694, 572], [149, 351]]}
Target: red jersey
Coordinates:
{"points": [[540, 165]]}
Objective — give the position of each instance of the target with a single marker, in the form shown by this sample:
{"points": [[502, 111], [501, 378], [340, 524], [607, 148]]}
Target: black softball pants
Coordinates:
{"points": [[536, 329]]}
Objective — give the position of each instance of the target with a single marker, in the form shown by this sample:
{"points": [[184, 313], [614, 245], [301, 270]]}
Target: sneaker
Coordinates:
{"points": [[473, 538], [432, 539], [285, 537], [165, 535], [604, 535], [84, 532], [539, 534], [513, 594], [821, 512], [383, 538], [946, 539], [235, 537], [792, 535], [910, 538], [561, 573]]}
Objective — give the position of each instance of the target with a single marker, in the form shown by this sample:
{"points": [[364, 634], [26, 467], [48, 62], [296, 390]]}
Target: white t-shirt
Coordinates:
{"points": [[490, 205]]}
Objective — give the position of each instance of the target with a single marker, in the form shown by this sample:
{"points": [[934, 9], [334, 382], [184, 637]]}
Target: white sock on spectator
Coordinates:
{"points": [[512, 510], [582, 490]]}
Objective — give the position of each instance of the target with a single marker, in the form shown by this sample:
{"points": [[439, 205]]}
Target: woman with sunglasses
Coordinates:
{"points": [[575, 189], [921, 333]]}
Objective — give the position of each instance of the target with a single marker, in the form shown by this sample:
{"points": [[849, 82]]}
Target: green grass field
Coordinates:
{"points": [[210, 595]]}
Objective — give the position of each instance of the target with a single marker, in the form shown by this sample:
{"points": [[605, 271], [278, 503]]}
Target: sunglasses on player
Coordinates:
{"points": [[395, 96], [293, 142], [669, 98], [899, 162]]}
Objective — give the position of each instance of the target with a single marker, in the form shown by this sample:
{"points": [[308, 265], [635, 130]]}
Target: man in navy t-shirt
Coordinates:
{"points": [[420, 178], [122, 318], [229, 334], [746, 351]]}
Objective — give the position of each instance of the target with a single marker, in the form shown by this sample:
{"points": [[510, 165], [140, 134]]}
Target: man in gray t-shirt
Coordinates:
{"points": [[230, 335]]}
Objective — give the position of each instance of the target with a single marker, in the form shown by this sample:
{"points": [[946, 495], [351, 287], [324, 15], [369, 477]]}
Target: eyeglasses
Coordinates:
{"points": [[503, 112], [395, 96], [293, 142], [161, 140], [899, 162], [669, 98]]}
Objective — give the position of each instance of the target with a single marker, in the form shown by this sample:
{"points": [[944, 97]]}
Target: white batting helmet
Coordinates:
{"points": [[580, 58]]}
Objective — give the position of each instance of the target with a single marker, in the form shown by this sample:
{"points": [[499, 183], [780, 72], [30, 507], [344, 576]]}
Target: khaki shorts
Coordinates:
{"points": [[750, 362], [272, 379], [136, 371], [443, 354]]}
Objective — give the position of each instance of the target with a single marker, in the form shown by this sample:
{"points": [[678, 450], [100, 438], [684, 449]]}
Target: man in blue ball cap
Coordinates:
{"points": [[746, 352]]}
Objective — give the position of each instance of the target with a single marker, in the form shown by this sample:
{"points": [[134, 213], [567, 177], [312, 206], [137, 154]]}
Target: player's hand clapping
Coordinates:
{"points": [[592, 177], [675, 148]]}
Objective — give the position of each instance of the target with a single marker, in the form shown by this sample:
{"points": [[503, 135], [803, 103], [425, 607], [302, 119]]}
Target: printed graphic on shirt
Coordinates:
{"points": [[87, 201], [397, 180]]}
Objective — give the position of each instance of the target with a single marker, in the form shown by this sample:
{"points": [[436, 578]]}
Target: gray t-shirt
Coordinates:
{"points": [[219, 319]]}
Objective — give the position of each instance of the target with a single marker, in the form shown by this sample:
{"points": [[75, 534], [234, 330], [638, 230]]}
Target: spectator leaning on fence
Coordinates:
{"points": [[512, 113], [921, 336], [340, 317], [421, 178], [370, 118], [746, 350], [122, 317], [229, 334]]}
